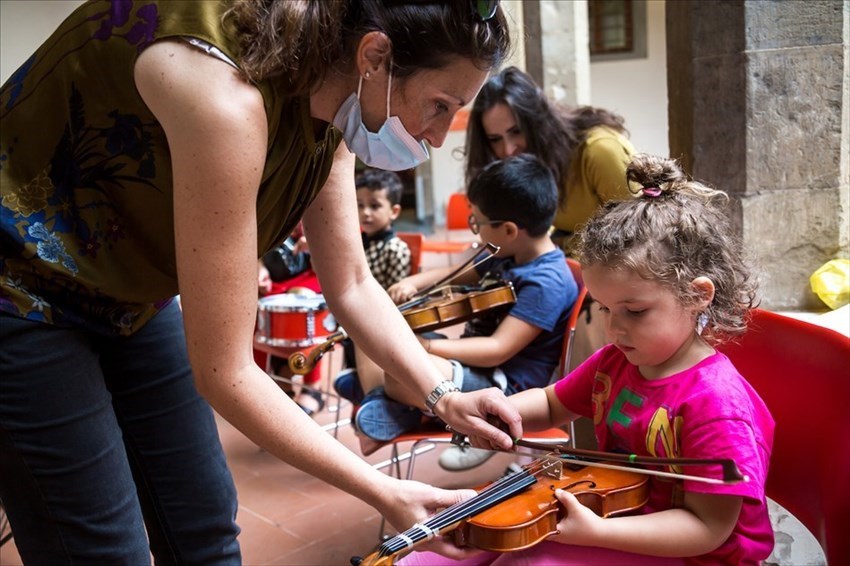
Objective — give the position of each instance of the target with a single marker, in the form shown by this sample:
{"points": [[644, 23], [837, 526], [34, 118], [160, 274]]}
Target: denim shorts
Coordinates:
{"points": [[470, 378]]}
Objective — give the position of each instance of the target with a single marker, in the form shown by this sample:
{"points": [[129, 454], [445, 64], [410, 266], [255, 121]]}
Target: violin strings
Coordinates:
{"points": [[500, 489], [494, 493], [471, 263]]}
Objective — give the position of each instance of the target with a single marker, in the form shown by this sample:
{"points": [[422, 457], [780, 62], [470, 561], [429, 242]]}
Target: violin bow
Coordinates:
{"points": [[596, 458], [471, 263]]}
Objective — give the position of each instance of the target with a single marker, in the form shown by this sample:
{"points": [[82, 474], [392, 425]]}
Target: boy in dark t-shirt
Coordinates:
{"points": [[513, 203]]}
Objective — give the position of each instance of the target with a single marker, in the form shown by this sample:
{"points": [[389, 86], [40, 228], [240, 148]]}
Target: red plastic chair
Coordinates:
{"points": [[414, 241], [569, 334], [802, 371], [457, 219]]}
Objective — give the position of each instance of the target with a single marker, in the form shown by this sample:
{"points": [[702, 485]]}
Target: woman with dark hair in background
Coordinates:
{"points": [[586, 148]]}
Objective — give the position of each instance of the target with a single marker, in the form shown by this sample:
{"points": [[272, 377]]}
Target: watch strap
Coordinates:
{"points": [[437, 393]]}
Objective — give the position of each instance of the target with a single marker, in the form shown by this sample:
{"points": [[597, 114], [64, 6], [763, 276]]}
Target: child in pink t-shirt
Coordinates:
{"points": [[669, 277]]}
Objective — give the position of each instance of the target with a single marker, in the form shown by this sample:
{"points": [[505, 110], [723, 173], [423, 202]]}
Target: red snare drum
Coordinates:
{"points": [[293, 321]]}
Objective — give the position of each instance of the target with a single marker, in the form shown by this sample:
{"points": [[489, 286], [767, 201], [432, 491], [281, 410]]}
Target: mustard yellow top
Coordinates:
{"points": [[596, 175], [86, 217]]}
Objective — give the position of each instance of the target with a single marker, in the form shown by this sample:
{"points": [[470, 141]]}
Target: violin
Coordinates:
{"points": [[437, 306], [520, 509], [527, 519], [456, 305]]}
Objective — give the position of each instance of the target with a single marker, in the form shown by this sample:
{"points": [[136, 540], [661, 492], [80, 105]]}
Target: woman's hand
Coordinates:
{"points": [[474, 412], [410, 502]]}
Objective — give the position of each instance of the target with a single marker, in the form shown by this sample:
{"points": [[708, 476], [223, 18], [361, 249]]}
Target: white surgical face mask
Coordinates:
{"points": [[392, 148]]}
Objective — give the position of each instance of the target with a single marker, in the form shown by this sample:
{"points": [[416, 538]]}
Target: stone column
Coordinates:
{"points": [[759, 107], [556, 49]]}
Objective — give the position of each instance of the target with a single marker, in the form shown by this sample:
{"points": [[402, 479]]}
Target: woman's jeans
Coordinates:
{"points": [[104, 442]]}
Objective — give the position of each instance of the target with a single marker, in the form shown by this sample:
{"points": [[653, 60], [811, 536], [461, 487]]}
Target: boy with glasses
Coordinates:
{"points": [[513, 203]]}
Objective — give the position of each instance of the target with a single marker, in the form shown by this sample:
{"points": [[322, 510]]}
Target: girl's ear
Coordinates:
{"points": [[705, 289]]}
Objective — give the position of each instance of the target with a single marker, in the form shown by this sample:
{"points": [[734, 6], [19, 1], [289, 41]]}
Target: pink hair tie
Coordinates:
{"points": [[652, 192]]}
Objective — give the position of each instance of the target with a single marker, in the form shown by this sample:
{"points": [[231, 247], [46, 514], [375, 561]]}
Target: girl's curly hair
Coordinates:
{"points": [[675, 231]]}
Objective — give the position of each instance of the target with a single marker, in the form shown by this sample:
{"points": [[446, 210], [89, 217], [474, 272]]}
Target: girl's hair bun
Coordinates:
{"points": [[655, 175]]}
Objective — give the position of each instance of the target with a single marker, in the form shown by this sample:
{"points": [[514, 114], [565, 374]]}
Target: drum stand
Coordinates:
{"points": [[324, 390]]}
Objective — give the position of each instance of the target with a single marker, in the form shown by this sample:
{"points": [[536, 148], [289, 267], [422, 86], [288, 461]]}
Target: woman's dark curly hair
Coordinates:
{"points": [[552, 133], [301, 40], [675, 232]]}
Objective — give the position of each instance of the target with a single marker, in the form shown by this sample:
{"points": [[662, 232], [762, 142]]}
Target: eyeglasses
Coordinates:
{"points": [[475, 225], [486, 9]]}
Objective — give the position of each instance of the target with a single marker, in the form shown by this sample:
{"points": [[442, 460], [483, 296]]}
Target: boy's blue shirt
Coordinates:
{"points": [[546, 291]]}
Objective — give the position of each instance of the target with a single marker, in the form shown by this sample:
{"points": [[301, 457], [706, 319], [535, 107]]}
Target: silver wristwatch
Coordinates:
{"points": [[442, 388]]}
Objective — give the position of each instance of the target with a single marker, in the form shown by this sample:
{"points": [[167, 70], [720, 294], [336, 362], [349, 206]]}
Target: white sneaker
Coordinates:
{"points": [[456, 458]]}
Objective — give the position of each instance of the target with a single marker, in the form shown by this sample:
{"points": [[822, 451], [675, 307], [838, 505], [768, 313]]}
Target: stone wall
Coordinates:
{"points": [[759, 103]]}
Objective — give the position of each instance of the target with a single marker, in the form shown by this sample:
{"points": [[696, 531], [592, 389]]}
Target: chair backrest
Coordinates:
{"points": [[457, 212], [572, 321], [414, 242], [802, 372]]}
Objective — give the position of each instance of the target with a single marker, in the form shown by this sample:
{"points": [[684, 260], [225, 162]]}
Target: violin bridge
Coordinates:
{"points": [[553, 467]]}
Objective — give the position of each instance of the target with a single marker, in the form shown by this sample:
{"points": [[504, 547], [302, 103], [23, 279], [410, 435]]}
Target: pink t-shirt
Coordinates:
{"points": [[707, 411]]}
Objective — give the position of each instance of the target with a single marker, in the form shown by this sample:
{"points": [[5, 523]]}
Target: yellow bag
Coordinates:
{"points": [[831, 282]]}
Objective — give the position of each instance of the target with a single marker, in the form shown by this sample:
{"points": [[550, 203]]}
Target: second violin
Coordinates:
{"points": [[437, 306], [456, 305]]}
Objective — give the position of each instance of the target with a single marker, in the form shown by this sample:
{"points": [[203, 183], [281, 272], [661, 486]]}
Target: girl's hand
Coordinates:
{"points": [[580, 525], [410, 502], [401, 292]]}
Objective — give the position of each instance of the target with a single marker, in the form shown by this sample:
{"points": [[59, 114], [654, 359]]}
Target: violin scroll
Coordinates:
{"points": [[301, 363]]}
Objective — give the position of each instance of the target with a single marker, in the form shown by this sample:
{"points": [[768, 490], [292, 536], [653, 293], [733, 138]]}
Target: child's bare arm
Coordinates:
{"points": [[704, 523], [407, 287], [540, 408]]}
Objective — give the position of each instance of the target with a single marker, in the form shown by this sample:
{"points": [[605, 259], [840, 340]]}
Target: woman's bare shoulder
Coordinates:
{"points": [[178, 81]]}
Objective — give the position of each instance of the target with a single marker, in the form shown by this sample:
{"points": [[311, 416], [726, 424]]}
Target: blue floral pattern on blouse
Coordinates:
{"points": [[65, 211]]}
